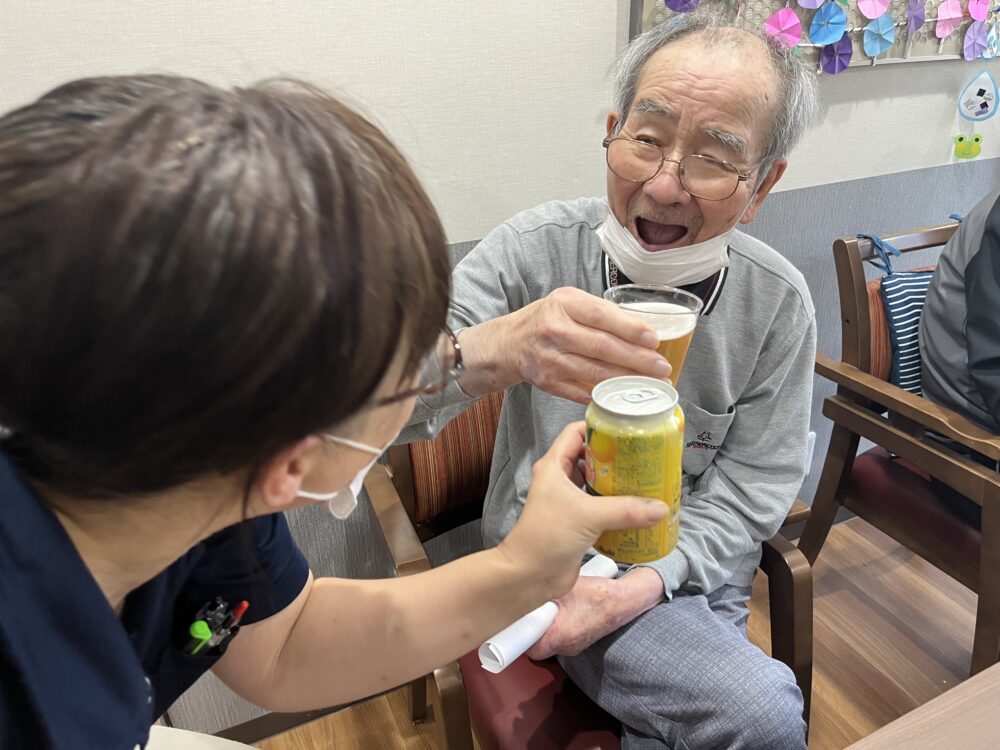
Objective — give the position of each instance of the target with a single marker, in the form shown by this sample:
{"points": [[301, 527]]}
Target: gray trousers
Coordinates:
{"points": [[684, 676]]}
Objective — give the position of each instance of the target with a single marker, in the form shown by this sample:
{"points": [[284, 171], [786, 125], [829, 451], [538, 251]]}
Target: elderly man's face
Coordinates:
{"points": [[692, 99]]}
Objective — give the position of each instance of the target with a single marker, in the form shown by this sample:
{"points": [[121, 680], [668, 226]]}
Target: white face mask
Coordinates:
{"points": [[677, 267], [343, 502]]}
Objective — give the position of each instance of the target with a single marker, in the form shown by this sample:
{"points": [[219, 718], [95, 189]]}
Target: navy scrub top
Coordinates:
{"points": [[74, 675]]}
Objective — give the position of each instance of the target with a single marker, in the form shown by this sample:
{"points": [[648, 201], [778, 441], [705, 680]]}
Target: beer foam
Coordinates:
{"points": [[670, 321]]}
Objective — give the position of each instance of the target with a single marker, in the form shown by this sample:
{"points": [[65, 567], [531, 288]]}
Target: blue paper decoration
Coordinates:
{"points": [[879, 35], [828, 25]]}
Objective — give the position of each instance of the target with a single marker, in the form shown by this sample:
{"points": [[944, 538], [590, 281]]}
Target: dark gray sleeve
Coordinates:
{"points": [[982, 299]]}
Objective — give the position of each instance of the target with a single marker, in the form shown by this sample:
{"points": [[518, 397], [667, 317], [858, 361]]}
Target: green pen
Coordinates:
{"points": [[200, 635]]}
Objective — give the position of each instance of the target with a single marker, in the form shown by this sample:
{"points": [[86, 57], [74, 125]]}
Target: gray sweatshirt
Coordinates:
{"points": [[745, 388]]}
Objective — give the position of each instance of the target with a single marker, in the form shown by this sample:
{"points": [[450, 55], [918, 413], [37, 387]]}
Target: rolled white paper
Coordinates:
{"points": [[505, 647]]}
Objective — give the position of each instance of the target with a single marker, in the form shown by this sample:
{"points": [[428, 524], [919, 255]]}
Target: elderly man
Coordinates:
{"points": [[705, 115]]}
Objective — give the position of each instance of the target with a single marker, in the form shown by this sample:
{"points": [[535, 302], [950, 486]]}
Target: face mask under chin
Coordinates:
{"points": [[679, 266]]}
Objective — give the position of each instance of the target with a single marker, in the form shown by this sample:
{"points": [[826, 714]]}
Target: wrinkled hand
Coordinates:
{"points": [[595, 607], [586, 614], [560, 522], [564, 344]]}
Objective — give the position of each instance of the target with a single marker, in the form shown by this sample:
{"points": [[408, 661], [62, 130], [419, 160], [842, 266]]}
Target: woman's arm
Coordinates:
{"points": [[340, 639]]}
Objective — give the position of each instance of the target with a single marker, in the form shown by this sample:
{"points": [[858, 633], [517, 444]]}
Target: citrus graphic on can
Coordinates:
{"points": [[635, 442]]}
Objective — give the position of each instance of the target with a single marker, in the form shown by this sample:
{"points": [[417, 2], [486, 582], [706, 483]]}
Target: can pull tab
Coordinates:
{"points": [[640, 396]]}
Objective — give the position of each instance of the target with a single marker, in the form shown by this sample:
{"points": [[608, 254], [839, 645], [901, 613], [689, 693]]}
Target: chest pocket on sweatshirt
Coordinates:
{"points": [[704, 433]]}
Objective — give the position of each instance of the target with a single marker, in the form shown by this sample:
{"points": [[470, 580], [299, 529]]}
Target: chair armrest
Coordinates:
{"points": [[451, 708], [408, 555], [790, 596], [798, 513], [779, 555], [926, 413]]}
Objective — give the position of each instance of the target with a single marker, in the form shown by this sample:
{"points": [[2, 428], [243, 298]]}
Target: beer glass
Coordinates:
{"points": [[672, 313]]}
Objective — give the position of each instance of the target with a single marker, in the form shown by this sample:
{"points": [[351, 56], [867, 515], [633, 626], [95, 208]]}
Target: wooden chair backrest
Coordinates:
{"points": [[864, 336], [435, 477]]}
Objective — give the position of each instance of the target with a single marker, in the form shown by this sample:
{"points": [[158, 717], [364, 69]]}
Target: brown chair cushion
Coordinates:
{"points": [[881, 346], [454, 468], [897, 487], [534, 706]]}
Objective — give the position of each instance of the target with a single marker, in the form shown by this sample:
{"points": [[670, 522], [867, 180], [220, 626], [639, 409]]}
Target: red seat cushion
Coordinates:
{"points": [[896, 486], [534, 706]]}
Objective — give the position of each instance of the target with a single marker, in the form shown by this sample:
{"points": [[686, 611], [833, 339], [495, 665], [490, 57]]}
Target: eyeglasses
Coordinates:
{"points": [[439, 367], [701, 176]]}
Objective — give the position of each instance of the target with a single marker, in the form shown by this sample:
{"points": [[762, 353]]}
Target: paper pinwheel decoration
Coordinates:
{"points": [[979, 99], [978, 9], [811, 4], [916, 14], [975, 40], [681, 6], [949, 17], [879, 36], [873, 9], [785, 27], [837, 56], [828, 25]]}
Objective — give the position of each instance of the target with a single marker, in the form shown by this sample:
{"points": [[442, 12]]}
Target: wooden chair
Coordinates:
{"points": [[435, 485], [896, 494]]}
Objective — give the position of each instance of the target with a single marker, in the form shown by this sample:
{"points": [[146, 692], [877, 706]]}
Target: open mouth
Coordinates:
{"points": [[654, 236]]}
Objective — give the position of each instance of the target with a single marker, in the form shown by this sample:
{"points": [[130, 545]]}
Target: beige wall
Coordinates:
{"points": [[891, 118], [500, 104]]}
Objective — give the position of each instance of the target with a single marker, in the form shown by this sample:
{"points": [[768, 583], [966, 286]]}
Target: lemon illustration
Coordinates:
{"points": [[603, 447]]}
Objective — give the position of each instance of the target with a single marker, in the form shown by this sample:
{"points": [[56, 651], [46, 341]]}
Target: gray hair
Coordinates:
{"points": [[797, 104]]}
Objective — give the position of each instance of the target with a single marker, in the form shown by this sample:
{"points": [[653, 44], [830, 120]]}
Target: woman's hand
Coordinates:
{"points": [[560, 521]]}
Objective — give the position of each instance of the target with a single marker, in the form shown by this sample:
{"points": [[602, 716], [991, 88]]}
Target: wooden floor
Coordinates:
{"points": [[891, 632]]}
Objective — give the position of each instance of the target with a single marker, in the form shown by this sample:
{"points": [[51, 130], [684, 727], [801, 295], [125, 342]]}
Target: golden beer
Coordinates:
{"points": [[674, 326], [672, 313], [635, 442]]}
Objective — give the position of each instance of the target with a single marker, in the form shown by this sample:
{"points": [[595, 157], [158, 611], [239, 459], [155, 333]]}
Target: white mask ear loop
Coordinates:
{"points": [[354, 444], [753, 194], [342, 502]]}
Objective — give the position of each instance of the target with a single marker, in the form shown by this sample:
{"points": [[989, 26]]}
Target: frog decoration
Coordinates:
{"points": [[968, 146]]}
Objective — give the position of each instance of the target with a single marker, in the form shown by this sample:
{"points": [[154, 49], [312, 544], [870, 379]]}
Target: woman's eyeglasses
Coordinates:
{"points": [[441, 366]]}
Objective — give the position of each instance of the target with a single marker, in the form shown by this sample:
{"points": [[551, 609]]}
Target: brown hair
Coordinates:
{"points": [[193, 278]]}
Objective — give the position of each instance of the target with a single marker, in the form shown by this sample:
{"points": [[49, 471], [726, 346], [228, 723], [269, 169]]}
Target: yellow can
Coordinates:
{"points": [[635, 443]]}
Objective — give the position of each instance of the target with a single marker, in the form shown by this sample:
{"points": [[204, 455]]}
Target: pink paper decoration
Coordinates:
{"points": [[873, 8], [978, 9], [949, 18], [785, 27]]}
